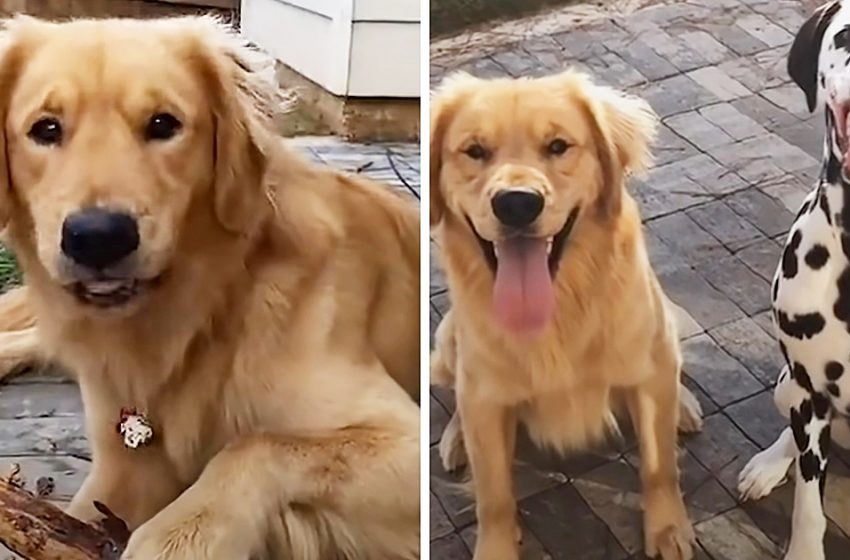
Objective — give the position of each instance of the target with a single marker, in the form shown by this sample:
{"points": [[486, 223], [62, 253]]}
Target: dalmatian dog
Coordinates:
{"points": [[811, 295]]}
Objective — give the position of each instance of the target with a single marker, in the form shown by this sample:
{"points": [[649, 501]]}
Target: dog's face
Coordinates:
{"points": [[518, 162], [819, 62], [113, 135]]}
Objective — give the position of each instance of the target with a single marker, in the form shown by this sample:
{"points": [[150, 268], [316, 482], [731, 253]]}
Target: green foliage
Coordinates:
{"points": [[10, 273]]}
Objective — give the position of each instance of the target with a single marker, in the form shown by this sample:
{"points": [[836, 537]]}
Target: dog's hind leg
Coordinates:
{"points": [[16, 312], [19, 344]]}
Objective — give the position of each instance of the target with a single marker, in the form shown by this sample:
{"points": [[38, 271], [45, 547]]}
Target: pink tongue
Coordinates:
{"points": [[523, 297]]}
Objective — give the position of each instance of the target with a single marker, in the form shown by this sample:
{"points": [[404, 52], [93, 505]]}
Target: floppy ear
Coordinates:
{"points": [[805, 51], [244, 105], [444, 104], [624, 128], [11, 60]]}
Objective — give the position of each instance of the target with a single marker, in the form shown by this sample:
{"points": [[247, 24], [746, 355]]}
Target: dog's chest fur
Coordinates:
{"points": [[811, 291]]}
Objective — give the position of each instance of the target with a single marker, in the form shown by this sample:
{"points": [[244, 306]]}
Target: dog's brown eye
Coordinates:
{"points": [[46, 131], [557, 147], [477, 151], [162, 126]]}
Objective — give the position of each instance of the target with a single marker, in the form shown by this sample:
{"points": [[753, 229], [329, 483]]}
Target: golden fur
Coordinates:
{"points": [[277, 355], [611, 337]]}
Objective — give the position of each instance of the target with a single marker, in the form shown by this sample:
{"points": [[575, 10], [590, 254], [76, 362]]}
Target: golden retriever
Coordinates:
{"points": [[556, 314], [258, 313]]}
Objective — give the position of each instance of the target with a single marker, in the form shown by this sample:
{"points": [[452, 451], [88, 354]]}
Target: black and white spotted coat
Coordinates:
{"points": [[811, 300]]}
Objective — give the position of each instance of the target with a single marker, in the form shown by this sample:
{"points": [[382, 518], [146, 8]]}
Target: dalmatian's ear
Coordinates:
{"points": [[803, 58]]}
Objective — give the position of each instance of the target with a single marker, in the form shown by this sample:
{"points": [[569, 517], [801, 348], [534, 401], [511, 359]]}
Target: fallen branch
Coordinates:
{"points": [[38, 530]]}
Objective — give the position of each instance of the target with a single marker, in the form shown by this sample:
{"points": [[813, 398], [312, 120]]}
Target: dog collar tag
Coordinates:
{"points": [[135, 428]]}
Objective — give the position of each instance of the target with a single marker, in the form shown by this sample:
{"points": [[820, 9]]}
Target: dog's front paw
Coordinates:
{"points": [[191, 537], [813, 551], [668, 531]]}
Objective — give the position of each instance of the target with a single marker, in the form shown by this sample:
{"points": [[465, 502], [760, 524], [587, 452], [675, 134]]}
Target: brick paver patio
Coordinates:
{"points": [[737, 152], [41, 418]]}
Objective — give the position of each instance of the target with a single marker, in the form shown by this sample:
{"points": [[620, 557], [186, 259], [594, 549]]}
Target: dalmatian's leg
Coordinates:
{"points": [[768, 469], [810, 424]]}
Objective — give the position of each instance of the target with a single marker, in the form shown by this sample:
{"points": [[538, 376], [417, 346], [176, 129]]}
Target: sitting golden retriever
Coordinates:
{"points": [[243, 325], [557, 315]]}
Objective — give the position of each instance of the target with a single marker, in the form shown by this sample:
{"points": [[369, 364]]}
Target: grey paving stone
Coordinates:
{"points": [[710, 175], [765, 322], [439, 523], [580, 44], [441, 302], [741, 285], [684, 236], [530, 548], [675, 95], [752, 346], [645, 60], [664, 259], [708, 46], [705, 303], [762, 211], [764, 30], [450, 548], [788, 97], [732, 536], [762, 257], [788, 191], [724, 378], [656, 197], [484, 68], [698, 130], [67, 472], [704, 496], [670, 147], [613, 493], [807, 135], [611, 69], [764, 112], [731, 121], [676, 51], [53, 399], [564, 523], [723, 449], [751, 72], [515, 62], [43, 436], [734, 37], [758, 418], [718, 82], [718, 219]]}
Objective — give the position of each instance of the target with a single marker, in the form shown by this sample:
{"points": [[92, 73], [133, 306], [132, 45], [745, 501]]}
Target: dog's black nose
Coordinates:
{"points": [[98, 238], [517, 208]]}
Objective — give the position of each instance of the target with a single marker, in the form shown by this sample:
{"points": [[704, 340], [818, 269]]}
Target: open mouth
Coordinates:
{"points": [[841, 125], [554, 245], [525, 268], [111, 292]]}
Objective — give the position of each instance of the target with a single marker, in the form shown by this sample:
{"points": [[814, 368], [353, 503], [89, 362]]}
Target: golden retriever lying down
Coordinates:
{"points": [[258, 313], [556, 312]]}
